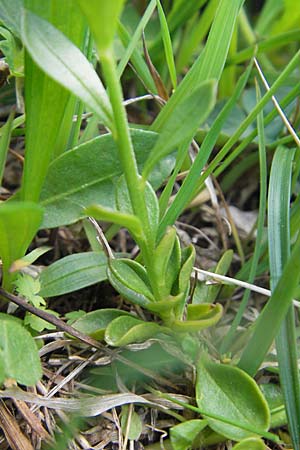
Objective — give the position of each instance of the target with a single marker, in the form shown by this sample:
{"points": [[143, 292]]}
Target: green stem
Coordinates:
{"points": [[136, 187]]}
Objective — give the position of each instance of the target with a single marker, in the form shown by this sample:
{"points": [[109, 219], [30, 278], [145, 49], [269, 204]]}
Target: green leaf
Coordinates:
{"points": [[134, 421], [8, 15], [279, 252], [19, 353], [4, 143], [166, 264], [102, 17], [209, 64], [250, 443], [198, 317], [49, 106], [73, 272], [19, 221], [130, 279], [229, 392], [167, 43], [29, 287], [129, 221], [86, 175], [38, 324], [13, 51], [130, 330], [183, 435], [123, 204], [182, 122], [29, 258], [65, 63], [95, 323], [187, 263]]}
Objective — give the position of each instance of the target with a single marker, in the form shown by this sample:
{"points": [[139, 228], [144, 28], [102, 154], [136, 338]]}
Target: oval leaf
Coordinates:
{"points": [[72, 273], [86, 175], [94, 323], [19, 353], [229, 392], [130, 279], [202, 318], [59, 58], [130, 330]]}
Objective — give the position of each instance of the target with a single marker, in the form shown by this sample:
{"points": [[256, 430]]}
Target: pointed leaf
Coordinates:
{"points": [[130, 330], [64, 62], [229, 392], [182, 123], [73, 272], [95, 323]]}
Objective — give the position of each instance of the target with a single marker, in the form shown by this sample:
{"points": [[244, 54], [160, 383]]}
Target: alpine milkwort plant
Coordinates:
{"points": [[115, 177]]}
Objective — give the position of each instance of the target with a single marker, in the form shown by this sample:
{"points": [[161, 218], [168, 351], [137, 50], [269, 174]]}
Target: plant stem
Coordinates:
{"points": [[134, 182]]}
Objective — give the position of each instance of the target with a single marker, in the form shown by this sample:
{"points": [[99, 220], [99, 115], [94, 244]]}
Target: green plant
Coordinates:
{"points": [[114, 178]]}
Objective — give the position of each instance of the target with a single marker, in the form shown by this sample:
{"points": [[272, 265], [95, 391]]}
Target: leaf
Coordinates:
{"points": [[73, 272], [102, 17], [29, 287], [8, 15], [4, 143], [88, 406], [95, 323], [182, 122], [86, 175], [38, 324], [230, 393], [19, 222], [29, 258], [49, 106], [250, 443], [183, 434], [130, 330], [19, 353], [198, 317], [130, 279], [63, 61], [123, 204], [167, 43], [135, 424]]}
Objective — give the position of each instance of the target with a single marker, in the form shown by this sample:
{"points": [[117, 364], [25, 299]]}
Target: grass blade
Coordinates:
{"points": [[187, 190], [260, 229], [279, 252], [4, 142], [167, 44]]}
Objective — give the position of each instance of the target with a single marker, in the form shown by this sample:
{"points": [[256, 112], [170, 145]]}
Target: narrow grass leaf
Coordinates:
{"points": [[188, 188], [131, 43], [64, 62], [259, 231], [279, 252], [182, 124], [210, 63], [73, 272], [167, 44], [268, 324], [4, 143]]}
